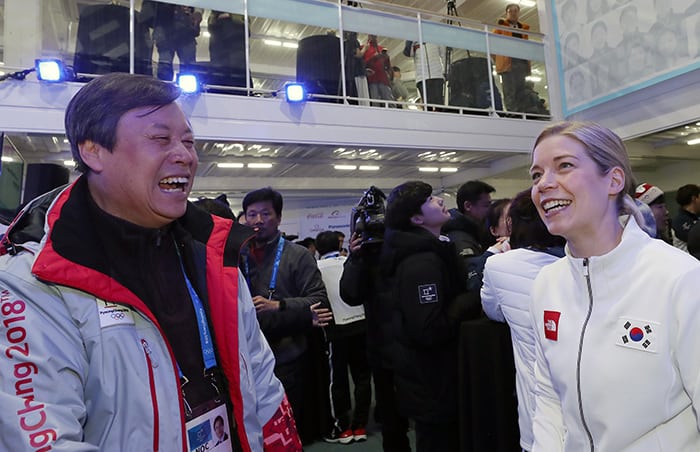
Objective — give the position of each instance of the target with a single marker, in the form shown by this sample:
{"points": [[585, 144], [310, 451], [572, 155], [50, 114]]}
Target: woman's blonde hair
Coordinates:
{"points": [[607, 150]]}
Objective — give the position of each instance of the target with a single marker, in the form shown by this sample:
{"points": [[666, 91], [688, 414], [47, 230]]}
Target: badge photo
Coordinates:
{"points": [[209, 431]]}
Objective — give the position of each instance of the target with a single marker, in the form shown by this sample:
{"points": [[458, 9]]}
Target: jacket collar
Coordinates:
{"points": [[617, 260]]}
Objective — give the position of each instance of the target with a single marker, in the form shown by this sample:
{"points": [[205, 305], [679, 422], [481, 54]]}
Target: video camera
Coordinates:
{"points": [[367, 218]]}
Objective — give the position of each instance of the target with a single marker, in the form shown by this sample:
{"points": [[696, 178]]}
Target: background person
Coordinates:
{"points": [[347, 348], [505, 296], [290, 298], [654, 197], [175, 29], [362, 284], [598, 310], [429, 303], [512, 70], [688, 199]]}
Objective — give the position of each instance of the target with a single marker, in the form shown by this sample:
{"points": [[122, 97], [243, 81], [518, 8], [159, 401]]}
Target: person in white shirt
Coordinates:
{"points": [[347, 348]]}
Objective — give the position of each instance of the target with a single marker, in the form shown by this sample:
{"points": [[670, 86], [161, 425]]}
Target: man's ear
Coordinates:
{"points": [[91, 154], [417, 219], [466, 206]]}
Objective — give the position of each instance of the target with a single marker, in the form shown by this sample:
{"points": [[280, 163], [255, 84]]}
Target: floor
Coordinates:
{"points": [[373, 443]]}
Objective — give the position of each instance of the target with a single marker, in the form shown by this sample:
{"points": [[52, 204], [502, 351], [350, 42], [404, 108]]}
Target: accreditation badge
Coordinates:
{"points": [[209, 431]]}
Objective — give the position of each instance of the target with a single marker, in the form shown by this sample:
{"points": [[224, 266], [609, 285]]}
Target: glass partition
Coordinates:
{"points": [[366, 53], [11, 170]]}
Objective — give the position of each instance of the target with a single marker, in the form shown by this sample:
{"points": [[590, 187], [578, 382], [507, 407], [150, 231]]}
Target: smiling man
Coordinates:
{"points": [[131, 325]]}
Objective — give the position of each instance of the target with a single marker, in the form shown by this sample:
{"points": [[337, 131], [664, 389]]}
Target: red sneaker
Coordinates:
{"points": [[346, 437], [336, 436], [359, 434]]}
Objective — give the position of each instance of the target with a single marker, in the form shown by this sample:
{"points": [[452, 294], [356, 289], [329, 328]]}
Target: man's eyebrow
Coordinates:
{"points": [[161, 126]]}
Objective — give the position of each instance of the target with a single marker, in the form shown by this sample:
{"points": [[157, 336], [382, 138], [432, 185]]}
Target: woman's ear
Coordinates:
{"points": [[617, 180]]}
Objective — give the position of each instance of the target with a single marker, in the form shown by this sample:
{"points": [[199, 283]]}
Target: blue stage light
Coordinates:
{"points": [[188, 83], [295, 92], [50, 70]]}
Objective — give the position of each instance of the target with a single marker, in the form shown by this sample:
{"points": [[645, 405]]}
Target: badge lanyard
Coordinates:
{"points": [[275, 267], [205, 340]]}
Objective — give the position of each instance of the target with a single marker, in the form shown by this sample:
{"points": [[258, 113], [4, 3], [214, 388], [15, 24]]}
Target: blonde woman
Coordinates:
{"points": [[617, 365]]}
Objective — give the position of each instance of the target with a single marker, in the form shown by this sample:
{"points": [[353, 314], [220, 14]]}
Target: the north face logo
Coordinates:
{"points": [[551, 324]]}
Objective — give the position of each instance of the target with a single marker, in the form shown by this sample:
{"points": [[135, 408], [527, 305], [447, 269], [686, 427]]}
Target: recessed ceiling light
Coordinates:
{"points": [[448, 170], [7, 159], [693, 142], [428, 169], [272, 42], [229, 165], [259, 165], [369, 168], [70, 163], [345, 167]]}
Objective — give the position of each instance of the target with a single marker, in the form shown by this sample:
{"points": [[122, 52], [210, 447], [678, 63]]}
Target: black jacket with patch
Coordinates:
{"points": [[429, 301]]}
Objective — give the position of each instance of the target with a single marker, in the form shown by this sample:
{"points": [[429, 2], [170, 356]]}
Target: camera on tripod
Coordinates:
{"points": [[367, 218]]}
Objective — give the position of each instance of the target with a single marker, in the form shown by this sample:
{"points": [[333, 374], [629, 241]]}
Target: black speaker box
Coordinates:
{"points": [[318, 64], [103, 41], [43, 177]]}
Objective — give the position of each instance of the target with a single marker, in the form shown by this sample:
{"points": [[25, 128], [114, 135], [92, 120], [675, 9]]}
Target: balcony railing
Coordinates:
{"points": [[254, 47]]}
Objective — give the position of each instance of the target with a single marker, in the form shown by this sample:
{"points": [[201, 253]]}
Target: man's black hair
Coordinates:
{"points": [[405, 201], [95, 110], [262, 195], [685, 194], [471, 191], [215, 207], [327, 242]]}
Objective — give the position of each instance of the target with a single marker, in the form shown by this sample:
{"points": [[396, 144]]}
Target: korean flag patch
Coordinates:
{"points": [[637, 334], [427, 293]]}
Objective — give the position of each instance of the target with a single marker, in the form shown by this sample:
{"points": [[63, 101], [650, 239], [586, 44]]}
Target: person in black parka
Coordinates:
{"points": [[429, 301]]}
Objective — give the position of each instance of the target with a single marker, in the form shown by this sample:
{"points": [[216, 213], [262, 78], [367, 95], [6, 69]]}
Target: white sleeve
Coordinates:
{"points": [[268, 389], [490, 300], [548, 424]]}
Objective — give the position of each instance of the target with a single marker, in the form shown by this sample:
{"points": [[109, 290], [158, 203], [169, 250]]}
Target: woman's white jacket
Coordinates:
{"points": [[618, 350]]}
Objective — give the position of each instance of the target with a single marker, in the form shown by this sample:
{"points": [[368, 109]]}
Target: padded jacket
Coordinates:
{"points": [[505, 297], [87, 367]]}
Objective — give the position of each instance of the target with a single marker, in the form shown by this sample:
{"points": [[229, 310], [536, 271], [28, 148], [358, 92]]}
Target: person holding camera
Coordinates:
{"points": [[429, 300], [362, 284]]}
